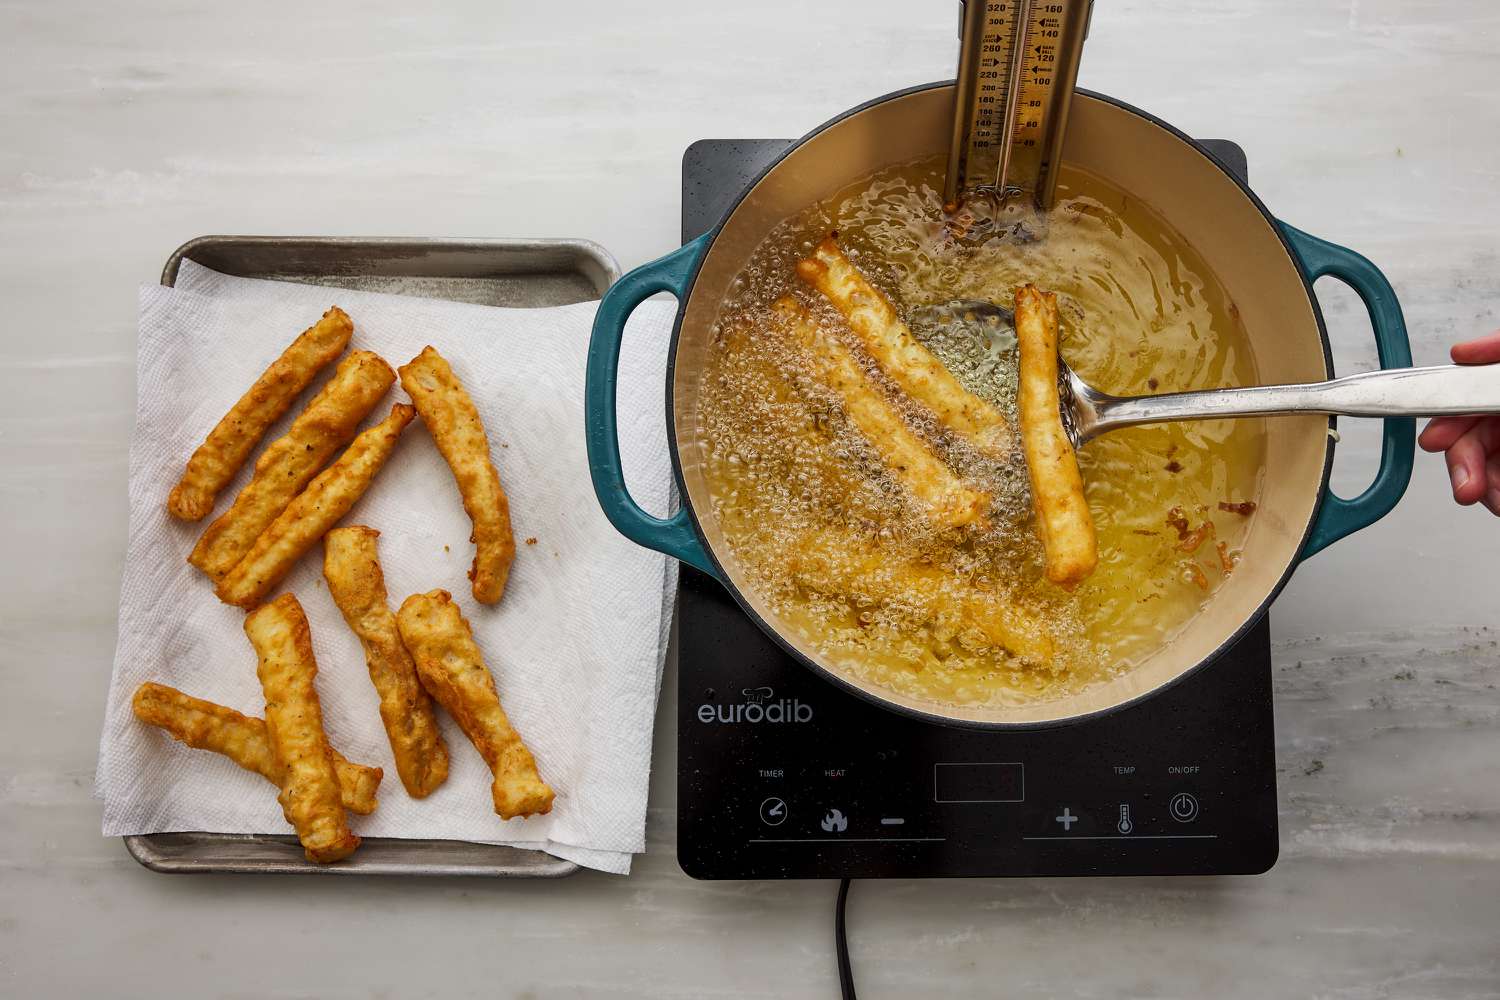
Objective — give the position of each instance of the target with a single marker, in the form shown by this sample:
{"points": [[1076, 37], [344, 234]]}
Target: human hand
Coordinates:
{"points": [[1472, 443]]}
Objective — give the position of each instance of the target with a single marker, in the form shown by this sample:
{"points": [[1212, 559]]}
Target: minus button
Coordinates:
{"points": [[892, 821]]}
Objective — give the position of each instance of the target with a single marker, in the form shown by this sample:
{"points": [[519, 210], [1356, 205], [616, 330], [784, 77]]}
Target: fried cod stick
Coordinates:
{"points": [[900, 355], [946, 499], [453, 672], [310, 795], [227, 446], [203, 725], [842, 565], [290, 461], [1062, 514], [351, 564], [316, 509], [455, 427]]}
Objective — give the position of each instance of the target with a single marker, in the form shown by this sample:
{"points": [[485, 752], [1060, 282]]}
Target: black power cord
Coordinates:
{"points": [[841, 943]]}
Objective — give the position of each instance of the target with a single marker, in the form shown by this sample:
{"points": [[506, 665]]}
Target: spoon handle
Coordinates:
{"points": [[1402, 392]]}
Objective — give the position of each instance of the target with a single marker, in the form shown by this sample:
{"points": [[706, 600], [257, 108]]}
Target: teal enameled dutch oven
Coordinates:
{"points": [[1266, 266]]}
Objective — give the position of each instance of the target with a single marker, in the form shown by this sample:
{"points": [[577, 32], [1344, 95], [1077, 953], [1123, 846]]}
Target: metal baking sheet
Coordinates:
{"points": [[516, 273]]}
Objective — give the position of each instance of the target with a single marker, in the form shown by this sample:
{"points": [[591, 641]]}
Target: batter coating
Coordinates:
{"points": [[913, 368], [842, 565], [290, 462], [945, 497], [310, 795], [315, 510], [351, 565], [455, 427], [237, 433], [204, 725], [1062, 514], [453, 671]]}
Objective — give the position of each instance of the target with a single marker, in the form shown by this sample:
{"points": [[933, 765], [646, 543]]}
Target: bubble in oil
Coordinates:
{"points": [[832, 541]]}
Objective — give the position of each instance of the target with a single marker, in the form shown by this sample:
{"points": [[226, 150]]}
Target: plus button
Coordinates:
{"points": [[1067, 819]]}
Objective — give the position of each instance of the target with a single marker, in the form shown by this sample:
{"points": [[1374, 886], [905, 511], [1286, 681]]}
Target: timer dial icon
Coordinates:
{"points": [[773, 811]]}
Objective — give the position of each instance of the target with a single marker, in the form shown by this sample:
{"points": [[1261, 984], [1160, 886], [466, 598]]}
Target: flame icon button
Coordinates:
{"points": [[834, 821]]}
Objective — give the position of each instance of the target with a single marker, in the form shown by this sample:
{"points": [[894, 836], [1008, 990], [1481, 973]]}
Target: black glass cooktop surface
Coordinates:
{"points": [[783, 775]]}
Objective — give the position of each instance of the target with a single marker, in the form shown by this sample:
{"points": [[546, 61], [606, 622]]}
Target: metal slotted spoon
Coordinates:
{"points": [[1441, 390]]}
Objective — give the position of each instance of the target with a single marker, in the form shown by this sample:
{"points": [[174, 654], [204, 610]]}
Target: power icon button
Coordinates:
{"points": [[1183, 807]]}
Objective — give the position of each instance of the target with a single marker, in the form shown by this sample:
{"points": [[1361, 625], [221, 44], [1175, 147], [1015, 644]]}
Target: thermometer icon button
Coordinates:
{"points": [[1125, 825]]}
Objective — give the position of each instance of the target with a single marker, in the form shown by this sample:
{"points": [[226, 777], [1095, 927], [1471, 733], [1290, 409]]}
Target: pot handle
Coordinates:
{"points": [[1339, 517], [674, 535]]}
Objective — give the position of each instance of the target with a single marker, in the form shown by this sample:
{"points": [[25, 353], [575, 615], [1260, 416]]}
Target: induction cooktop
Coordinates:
{"points": [[783, 775]]}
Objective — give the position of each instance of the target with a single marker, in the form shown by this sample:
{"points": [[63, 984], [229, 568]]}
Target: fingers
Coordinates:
{"points": [[1491, 499], [1441, 432], [1468, 458], [1480, 351], [1472, 443], [1466, 470]]}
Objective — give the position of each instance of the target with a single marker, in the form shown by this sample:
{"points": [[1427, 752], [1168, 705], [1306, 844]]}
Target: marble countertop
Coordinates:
{"points": [[1374, 123]]}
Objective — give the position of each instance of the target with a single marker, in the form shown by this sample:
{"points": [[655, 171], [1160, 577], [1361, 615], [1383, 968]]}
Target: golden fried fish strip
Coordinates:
{"points": [[842, 565], [227, 446], [351, 564], [204, 725], [289, 462], [944, 496], [1062, 514], [453, 672], [455, 427], [316, 509], [899, 354], [310, 795]]}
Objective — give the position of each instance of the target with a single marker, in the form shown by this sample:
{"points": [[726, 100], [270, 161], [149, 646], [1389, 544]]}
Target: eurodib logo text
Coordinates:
{"points": [[760, 706]]}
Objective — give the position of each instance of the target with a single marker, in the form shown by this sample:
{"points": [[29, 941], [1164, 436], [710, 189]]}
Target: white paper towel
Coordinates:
{"points": [[576, 645]]}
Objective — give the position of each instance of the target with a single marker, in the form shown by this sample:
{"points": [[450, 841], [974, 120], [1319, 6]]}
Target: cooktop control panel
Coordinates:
{"points": [[782, 774]]}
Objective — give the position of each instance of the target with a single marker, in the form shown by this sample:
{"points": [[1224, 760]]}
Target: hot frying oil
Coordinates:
{"points": [[837, 546]]}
